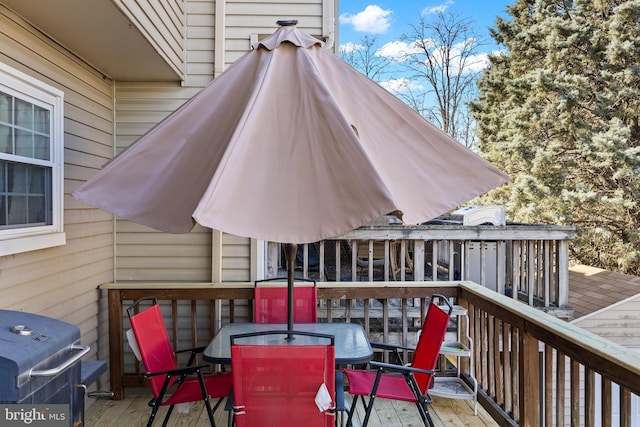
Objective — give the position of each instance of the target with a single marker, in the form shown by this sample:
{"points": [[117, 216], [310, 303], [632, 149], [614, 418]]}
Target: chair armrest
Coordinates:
{"points": [[385, 346], [193, 350], [176, 372], [394, 349], [400, 368]]}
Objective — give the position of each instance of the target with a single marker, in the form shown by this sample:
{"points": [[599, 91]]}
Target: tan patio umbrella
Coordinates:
{"points": [[289, 145]]}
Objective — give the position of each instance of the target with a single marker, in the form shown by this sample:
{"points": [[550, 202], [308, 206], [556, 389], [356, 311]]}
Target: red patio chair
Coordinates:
{"points": [[406, 382], [169, 383], [270, 302], [277, 384]]}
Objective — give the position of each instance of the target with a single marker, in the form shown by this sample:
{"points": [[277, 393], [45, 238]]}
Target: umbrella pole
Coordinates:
{"points": [[291, 249]]}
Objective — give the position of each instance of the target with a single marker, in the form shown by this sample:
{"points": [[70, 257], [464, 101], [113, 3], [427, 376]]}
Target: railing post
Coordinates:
{"points": [[529, 381], [563, 273], [116, 344]]}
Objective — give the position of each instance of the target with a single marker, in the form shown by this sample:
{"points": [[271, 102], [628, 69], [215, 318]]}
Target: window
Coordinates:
{"points": [[31, 163]]}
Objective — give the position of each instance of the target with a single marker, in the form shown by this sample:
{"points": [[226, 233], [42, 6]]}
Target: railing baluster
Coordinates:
{"points": [[548, 401], [194, 324], [560, 386], [589, 397], [338, 260], [491, 368], [387, 268], [354, 260], [322, 262], [574, 394], [606, 401], [625, 407], [508, 367]]}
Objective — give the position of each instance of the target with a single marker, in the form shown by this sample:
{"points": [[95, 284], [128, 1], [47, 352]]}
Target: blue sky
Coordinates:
{"points": [[388, 19]]}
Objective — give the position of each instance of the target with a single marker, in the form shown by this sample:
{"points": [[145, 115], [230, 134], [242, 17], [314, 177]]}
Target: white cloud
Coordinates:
{"points": [[349, 48], [400, 85], [397, 51], [373, 19], [477, 62], [441, 8], [393, 51]]}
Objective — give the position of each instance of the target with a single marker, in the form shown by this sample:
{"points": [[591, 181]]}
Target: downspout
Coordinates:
{"points": [[218, 68], [329, 8], [114, 152], [219, 38]]}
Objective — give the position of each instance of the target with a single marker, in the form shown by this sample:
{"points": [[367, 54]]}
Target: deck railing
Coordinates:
{"points": [[527, 262], [533, 369]]}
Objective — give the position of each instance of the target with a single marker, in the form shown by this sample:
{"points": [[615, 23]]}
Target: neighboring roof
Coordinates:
{"points": [[592, 289]]}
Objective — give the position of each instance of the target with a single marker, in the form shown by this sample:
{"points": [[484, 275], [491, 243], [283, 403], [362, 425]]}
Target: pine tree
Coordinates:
{"points": [[559, 111]]}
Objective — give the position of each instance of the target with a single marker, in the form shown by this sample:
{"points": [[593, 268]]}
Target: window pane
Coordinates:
{"points": [[24, 143], [25, 194], [36, 210], [17, 178], [6, 139], [24, 128], [41, 120], [36, 181], [41, 147], [24, 114], [6, 108], [17, 210]]}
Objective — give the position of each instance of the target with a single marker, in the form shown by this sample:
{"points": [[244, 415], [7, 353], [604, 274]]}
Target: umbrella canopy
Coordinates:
{"points": [[289, 144]]}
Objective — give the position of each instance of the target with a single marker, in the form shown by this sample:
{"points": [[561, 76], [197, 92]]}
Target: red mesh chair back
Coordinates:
{"points": [[155, 346], [276, 385], [270, 304], [171, 384], [428, 348], [401, 381]]}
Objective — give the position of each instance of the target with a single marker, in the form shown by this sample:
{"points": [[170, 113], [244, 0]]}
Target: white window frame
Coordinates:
{"points": [[27, 88]]}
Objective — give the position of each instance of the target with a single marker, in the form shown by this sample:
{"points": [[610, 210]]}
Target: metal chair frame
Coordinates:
{"points": [[187, 380], [402, 381]]}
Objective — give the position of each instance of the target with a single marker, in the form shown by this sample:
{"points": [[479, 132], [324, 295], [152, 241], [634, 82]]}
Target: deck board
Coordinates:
{"points": [[133, 411]]}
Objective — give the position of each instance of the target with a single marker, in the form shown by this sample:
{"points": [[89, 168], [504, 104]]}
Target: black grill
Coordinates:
{"points": [[40, 362]]}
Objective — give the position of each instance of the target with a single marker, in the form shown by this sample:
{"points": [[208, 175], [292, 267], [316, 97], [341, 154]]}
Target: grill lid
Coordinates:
{"points": [[26, 340]]}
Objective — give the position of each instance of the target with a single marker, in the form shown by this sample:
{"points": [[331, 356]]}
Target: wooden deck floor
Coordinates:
{"points": [[133, 411]]}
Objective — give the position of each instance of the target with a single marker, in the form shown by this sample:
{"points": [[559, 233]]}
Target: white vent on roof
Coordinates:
{"points": [[477, 215]]}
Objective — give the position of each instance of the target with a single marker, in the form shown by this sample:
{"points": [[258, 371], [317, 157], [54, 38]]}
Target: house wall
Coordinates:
{"points": [[61, 282], [258, 18], [142, 253], [101, 118], [163, 24], [619, 322]]}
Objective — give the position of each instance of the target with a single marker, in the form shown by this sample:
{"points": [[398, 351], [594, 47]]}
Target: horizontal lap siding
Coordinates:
{"points": [[141, 252], [162, 22], [61, 282], [619, 323], [244, 18], [236, 258]]}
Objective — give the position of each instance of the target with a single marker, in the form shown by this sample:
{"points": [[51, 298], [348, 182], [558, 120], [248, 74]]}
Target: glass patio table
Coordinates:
{"points": [[351, 342]]}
